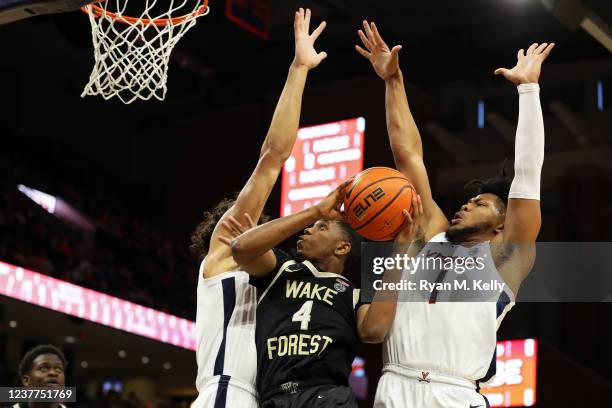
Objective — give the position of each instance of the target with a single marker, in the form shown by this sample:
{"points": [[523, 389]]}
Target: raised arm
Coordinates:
{"points": [[404, 135], [278, 144], [523, 217], [253, 249], [375, 320]]}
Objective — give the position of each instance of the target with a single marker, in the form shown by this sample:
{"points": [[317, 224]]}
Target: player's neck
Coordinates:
{"points": [[469, 240], [331, 264], [43, 405]]}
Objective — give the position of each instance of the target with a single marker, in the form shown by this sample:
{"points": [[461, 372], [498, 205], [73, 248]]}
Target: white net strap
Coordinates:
{"points": [[131, 59]]}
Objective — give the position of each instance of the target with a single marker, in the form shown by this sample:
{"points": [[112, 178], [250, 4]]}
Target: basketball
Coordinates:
{"points": [[374, 201]]}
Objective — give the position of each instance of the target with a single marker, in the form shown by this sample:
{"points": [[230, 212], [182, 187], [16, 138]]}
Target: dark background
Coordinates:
{"points": [[167, 162]]}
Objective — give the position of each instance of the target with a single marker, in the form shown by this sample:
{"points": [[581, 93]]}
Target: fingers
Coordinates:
{"points": [[363, 52], [420, 210], [408, 217], [547, 50], [395, 51], [520, 54], [501, 71], [365, 40], [316, 33], [297, 20], [346, 182], [230, 228], [415, 205], [532, 48], [307, 20], [322, 55], [249, 220], [368, 30], [377, 38], [236, 224], [540, 48], [226, 241]]}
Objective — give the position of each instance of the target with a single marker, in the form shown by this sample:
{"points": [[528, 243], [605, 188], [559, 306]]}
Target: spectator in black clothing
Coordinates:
{"points": [[43, 367]]}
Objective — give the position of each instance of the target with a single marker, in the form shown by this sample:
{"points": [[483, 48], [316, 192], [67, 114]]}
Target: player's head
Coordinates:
{"points": [[43, 366], [200, 239], [484, 214], [327, 239]]}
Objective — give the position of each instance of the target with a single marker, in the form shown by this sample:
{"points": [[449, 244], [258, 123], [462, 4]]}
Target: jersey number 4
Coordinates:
{"points": [[303, 315]]}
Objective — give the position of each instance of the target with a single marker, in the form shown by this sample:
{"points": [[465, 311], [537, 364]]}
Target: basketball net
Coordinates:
{"points": [[132, 53]]}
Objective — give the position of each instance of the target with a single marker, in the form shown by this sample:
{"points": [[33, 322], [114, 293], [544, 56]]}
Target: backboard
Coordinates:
{"points": [[14, 10]]}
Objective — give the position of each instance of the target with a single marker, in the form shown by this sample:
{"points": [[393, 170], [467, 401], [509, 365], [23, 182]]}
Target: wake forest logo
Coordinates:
{"points": [[340, 285], [360, 208], [290, 387], [308, 290]]}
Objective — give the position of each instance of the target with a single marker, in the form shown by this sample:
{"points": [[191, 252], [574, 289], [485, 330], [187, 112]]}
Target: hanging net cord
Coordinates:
{"points": [[132, 54]]}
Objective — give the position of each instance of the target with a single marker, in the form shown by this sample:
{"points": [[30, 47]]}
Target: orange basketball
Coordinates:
{"points": [[374, 201]]}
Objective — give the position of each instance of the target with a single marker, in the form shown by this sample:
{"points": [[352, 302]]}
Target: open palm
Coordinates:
{"points": [[305, 53], [528, 65], [384, 60]]}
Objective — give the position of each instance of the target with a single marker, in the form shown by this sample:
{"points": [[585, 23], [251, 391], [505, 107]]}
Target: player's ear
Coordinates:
{"points": [[342, 248], [499, 228], [25, 380]]}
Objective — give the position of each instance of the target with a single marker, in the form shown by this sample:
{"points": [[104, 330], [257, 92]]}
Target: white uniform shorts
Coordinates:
{"points": [[402, 387]]}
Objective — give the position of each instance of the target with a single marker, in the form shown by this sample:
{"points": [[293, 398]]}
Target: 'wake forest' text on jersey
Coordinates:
{"points": [[306, 331]]}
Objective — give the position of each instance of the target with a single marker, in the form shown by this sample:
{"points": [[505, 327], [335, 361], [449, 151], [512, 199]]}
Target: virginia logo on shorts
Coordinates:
{"points": [[424, 375], [340, 285]]}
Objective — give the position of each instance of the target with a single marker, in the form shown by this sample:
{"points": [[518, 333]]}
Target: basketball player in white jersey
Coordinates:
{"points": [[225, 321], [437, 353]]}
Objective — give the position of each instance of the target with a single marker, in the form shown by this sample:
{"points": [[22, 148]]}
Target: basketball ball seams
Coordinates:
{"points": [[365, 173], [385, 207], [348, 208], [396, 231], [375, 200]]}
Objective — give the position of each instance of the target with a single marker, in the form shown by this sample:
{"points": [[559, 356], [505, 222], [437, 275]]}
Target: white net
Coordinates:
{"points": [[132, 53]]}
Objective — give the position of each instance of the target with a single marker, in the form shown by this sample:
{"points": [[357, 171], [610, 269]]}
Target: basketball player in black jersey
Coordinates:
{"points": [[309, 317]]}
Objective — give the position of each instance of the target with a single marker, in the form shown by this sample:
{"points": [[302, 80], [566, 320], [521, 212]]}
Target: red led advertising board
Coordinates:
{"points": [[514, 384], [64, 297], [323, 156]]}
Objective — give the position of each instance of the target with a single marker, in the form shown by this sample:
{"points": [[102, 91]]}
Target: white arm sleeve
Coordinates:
{"points": [[529, 144]]}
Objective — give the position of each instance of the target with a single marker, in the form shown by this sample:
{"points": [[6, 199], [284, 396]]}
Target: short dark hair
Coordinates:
{"points": [[498, 185], [200, 239], [355, 239], [25, 366]]}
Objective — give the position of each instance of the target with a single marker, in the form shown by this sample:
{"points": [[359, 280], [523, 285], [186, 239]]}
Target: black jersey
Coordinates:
{"points": [[306, 332]]}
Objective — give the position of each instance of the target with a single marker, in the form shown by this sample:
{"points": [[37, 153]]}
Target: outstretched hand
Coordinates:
{"points": [[414, 223], [528, 66], [305, 53], [234, 228], [329, 207], [384, 60]]}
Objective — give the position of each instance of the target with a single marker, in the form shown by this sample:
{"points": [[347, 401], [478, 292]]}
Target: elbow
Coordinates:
{"points": [[239, 251], [275, 156], [372, 335]]}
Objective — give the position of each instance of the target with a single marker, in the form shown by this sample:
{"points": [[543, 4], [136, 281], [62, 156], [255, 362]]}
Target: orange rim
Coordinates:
{"points": [[99, 12]]}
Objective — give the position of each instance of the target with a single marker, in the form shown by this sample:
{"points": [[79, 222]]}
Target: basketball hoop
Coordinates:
{"points": [[132, 53]]}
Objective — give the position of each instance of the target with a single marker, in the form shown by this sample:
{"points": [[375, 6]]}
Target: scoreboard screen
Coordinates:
{"points": [[514, 384], [323, 156]]}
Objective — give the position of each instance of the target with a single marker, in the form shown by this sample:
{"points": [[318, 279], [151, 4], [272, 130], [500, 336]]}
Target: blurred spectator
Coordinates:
{"points": [[126, 257]]}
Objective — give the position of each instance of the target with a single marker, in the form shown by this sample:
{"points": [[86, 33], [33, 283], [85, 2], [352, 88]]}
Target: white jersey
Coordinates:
{"points": [[454, 339], [225, 338]]}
